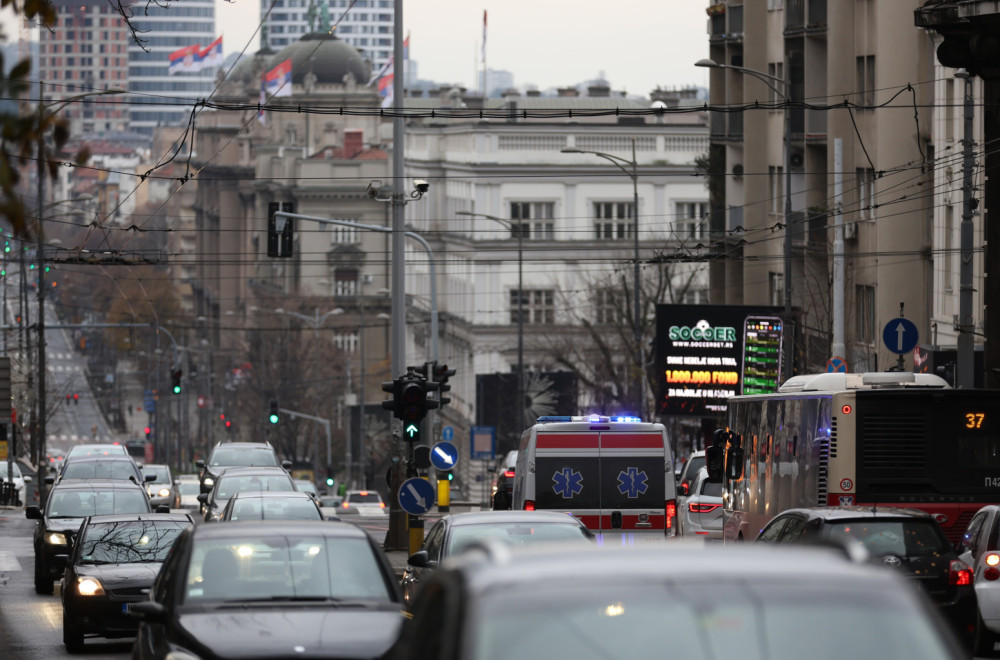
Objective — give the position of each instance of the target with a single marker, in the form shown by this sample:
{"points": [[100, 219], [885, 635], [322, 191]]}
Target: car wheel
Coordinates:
{"points": [[72, 639], [984, 639], [43, 582]]}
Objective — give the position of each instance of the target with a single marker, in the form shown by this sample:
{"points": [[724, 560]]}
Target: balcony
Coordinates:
{"points": [[803, 16], [735, 128]]}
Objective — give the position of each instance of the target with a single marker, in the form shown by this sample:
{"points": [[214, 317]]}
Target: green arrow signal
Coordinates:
{"points": [[412, 430]]}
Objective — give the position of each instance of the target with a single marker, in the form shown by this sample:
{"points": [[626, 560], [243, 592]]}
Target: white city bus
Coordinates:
{"points": [[882, 439]]}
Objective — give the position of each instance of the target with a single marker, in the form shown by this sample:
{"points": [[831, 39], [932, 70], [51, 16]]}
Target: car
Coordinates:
{"points": [[686, 475], [503, 481], [237, 454], [701, 511], [112, 566], [67, 504], [93, 449], [306, 486], [188, 486], [161, 486], [239, 479], [908, 541], [703, 602], [271, 589], [271, 505], [453, 533], [363, 503], [19, 480], [980, 549], [100, 467]]}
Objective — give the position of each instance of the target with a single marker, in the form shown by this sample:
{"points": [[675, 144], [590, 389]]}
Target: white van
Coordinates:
{"points": [[613, 473]]}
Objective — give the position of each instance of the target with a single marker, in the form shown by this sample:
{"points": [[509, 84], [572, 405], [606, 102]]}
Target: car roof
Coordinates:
{"points": [[101, 459], [155, 465], [98, 446], [250, 470], [97, 484], [244, 445], [141, 517], [481, 517], [279, 527], [856, 512], [271, 494]]}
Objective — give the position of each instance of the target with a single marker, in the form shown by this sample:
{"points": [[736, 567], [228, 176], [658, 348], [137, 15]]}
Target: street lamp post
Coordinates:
{"points": [[633, 173], [520, 301], [787, 245]]}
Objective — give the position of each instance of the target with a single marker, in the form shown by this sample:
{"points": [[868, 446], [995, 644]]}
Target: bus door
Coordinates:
{"points": [[568, 474], [633, 483]]}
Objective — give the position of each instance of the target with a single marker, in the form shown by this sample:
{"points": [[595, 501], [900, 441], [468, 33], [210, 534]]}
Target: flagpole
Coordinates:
{"points": [[484, 55]]}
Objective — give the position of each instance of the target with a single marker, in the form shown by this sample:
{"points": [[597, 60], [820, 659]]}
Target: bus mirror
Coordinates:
{"points": [[714, 463], [735, 463]]}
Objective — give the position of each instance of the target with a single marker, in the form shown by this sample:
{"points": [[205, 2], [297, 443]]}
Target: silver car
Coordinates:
{"points": [[161, 487], [700, 515], [18, 479], [980, 549]]}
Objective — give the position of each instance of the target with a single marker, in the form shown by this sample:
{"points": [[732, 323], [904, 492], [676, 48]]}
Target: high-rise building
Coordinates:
{"points": [[368, 25]]}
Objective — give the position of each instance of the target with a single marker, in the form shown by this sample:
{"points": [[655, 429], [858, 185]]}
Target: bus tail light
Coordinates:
{"points": [[529, 505], [959, 574], [702, 508], [669, 512]]}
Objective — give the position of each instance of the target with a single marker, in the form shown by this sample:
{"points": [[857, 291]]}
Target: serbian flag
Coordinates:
{"points": [[211, 55], [385, 88], [185, 60], [278, 81], [386, 68]]}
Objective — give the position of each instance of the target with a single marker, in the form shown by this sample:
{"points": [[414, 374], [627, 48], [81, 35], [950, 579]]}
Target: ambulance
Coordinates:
{"points": [[613, 473]]}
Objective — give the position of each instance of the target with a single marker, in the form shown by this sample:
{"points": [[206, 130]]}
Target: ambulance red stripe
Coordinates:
{"points": [[632, 440], [567, 441]]}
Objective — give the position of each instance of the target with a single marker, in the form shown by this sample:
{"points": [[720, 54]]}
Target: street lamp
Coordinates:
{"points": [[633, 173], [520, 300], [316, 320], [787, 258]]}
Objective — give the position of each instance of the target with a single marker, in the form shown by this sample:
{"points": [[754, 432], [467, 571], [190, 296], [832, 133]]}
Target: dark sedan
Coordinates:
{"points": [[102, 467], [271, 505], [243, 479], [271, 589], [68, 504], [113, 565]]}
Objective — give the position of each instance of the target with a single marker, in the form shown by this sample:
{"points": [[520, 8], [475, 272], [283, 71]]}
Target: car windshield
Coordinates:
{"points": [[159, 473], [750, 620], [135, 541], [906, 538], [282, 568], [514, 533], [274, 508], [711, 488], [229, 485], [189, 487], [4, 468], [95, 450], [250, 457], [81, 503], [364, 498], [694, 464], [99, 470]]}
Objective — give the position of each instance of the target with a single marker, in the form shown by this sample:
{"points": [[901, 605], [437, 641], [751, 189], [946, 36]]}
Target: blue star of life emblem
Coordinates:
{"points": [[567, 482], [632, 483]]}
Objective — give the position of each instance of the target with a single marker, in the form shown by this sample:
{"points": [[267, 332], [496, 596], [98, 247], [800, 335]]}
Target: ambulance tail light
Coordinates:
{"points": [[529, 505], [959, 573], [669, 512]]}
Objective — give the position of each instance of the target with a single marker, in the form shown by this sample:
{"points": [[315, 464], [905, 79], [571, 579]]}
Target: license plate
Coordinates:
{"points": [[127, 607]]}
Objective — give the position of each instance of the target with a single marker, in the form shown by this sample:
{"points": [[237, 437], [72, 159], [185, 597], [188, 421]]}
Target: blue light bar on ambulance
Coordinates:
{"points": [[593, 419]]}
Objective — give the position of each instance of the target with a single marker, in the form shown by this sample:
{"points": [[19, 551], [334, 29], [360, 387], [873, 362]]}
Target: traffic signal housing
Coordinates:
{"points": [[175, 379], [441, 374], [410, 402], [273, 412]]}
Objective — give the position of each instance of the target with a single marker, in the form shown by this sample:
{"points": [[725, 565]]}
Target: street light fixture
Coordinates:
{"points": [[766, 78], [519, 230], [633, 173], [316, 320]]}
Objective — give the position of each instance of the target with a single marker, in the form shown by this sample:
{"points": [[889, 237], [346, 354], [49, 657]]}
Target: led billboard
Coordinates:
{"points": [[708, 353]]}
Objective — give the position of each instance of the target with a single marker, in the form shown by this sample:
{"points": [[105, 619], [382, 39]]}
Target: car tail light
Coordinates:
{"points": [[509, 474], [959, 574], [992, 559], [991, 573], [684, 488], [381, 505], [669, 512], [703, 508], [364, 493], [346, 505], [529, 505]]}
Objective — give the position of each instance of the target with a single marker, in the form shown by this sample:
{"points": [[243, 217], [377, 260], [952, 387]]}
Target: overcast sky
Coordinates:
{"points": [[637, 44]]}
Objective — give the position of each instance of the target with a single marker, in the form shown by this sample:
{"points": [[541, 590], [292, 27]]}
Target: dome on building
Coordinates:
{"points": [[327, 57]]}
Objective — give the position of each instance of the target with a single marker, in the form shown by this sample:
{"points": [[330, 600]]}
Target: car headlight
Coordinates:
{"points": [[89, 586], [55, 538], [209, 481], [164, 492]]}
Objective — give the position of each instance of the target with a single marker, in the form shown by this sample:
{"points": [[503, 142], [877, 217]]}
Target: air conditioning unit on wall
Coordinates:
{"points": [[850, 231]]}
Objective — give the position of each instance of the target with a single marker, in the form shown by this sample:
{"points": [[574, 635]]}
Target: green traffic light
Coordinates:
{"points": [[47, 269], [273, 418], [31, 267], [329, 481], [177, 389]]}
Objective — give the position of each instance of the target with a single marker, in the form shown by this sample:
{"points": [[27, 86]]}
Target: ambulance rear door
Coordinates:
{"points": [[633, 464], [567, 471]]}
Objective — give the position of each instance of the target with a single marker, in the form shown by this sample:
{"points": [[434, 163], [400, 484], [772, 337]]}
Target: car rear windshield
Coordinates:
{"points": [[750, 620], [103, 469], [96, 450], [906, 538], [159, 473], [229, 485], [364, 498], [249, 457], [272, 508], [711, 489], [282, 568], [81, 503], [514, 533], [128, 542]]}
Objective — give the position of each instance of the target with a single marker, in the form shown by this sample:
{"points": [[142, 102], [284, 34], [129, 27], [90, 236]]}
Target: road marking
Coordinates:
{"points": [[8, 562]]}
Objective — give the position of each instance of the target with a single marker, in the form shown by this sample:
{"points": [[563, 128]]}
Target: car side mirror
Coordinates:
{"points": [[33, 513], [149, 477], [199, 463], [60, 560], [203, 498], [286, 464], [420, 559], [333, 518], [684, 488], [163, 508], [50, 480], [26, 479], [149, 610]]}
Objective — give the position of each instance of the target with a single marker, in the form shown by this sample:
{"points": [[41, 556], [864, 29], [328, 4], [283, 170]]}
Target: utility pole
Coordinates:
{"points": [[965, 376]]}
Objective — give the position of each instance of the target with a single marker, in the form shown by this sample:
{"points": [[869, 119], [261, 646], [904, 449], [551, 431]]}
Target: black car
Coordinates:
{"points": [[906, 540], [503, 487], [243, 479], [237, 454], [113, 564], [101, 467], [271, 589], [271, 505], [68, 503]]}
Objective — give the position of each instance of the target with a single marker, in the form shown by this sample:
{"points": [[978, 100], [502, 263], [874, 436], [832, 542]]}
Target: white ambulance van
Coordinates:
{"points": [[613, 473]]}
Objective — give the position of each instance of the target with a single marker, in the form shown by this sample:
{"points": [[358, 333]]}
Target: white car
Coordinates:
{"points": [[701, 513], [188, 486], [19, 480], [365, 503], [980, 549]]}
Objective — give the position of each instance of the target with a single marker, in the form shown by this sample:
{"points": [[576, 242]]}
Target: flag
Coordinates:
{"points": [[386, 68], [406, 47], [385, 89], [186, 60], [484, 35], [278, 81], [211, 55]]}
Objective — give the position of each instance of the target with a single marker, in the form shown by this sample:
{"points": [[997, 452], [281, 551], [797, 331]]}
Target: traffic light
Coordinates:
{"points": [[280, 242], [273, 416], [446, 474], [440, 376], [175, 380], [148, 432], [227, 422], [409, 397]]}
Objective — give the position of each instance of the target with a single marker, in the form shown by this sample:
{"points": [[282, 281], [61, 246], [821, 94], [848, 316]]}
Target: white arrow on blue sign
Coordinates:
{"points": [[416, 496], [900, 335], [444, 456]]}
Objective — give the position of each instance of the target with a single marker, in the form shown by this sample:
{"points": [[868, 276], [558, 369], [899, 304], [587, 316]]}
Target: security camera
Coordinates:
{"points": [[421, 186], [374, 188]]}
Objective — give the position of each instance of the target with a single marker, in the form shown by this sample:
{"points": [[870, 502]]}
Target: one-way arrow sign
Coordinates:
{"points": [[900, 335], [416, 496]]}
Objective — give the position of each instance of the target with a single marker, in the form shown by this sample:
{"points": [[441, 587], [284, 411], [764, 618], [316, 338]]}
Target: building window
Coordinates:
{"points": [[776, 70], [533, 219], [613, 220], [776, 288], [865, 79], [776, 180], [865, 313], [340, 235], [690, 220], [348, 342], [604, 306], [538, 305], [864, 181], [345, 282]]}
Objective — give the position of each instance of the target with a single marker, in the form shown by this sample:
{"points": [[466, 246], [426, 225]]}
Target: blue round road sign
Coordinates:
{"points": [[900, 335], [447, 433], [416, 496], [444, 456]]}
